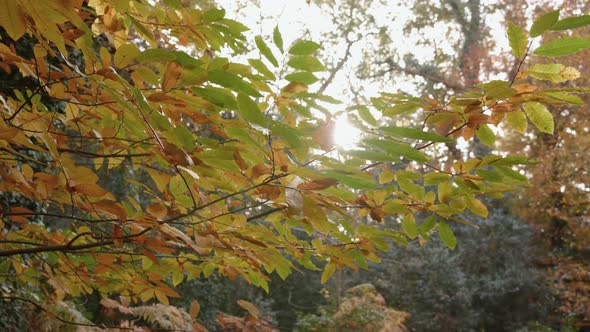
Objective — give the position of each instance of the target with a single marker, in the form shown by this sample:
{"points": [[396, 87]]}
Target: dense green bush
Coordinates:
{"points": [[489, 282]]}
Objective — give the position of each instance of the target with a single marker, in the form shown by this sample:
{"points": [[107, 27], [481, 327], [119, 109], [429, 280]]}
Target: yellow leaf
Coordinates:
{"points": [[517, 120], [329, 270], [12, 19], [162, 297], [476, 206], [445, 190], [249, 307], [125, 55]]}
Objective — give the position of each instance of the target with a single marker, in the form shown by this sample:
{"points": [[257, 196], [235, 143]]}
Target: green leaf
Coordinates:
{"points": [[366, 115], [562, 46], [566, 97], [262, 69], [446, 235], [571, 23], [486, 135], [355, 181], [397, 149], [539, 116], [307, 63], [489, 175], [232, 81], [329, 270], [250, 110], [411, 188], [218, 96], [435, 178], [304, 77], [517, 39], [214, 14], [445, 191], [409, 226], [543, 23], [517, 120], [184, 137], [509, 172], [498, 90], [265, 51], [427, 225], [304, 47], [555, 73], [277, 38], [164, 55], [414, 134]]}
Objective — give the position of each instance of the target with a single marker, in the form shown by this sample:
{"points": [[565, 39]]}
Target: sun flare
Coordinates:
{"points": [[346, 136]]}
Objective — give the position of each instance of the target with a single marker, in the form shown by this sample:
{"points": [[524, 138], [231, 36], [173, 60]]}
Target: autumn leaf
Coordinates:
{"points": [[318, 184]]}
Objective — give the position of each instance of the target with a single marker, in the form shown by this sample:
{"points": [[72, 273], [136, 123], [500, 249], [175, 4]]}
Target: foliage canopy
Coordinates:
{"points": [[226, 166]]}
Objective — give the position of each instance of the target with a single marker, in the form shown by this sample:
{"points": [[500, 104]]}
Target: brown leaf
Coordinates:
{"points": [[260, 169], [117, 234], [318, 184], [171, 76], [157, 210], [240, 161]]}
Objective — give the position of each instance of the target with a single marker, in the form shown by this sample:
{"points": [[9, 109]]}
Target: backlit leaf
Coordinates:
{"points": [[307, 63], [250, 110], [302, 77], [265, 51], [277, 38], [517, 39], [543, 23], [414, 134], [304, 47]]}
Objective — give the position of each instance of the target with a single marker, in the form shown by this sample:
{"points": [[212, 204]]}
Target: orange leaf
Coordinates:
{"points": [[171, 76], [112, 209], [194, 310], [318, 184], [90, 189], [249, 307], [117, 234], [157, 210], [239, 160]]}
